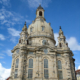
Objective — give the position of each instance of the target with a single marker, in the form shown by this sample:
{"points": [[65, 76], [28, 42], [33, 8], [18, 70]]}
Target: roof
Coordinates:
{"points": [[78, 71], [40, 7], [8, 78]]}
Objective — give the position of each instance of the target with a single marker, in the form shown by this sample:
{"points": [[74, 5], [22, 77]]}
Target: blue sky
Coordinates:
{"points": [[13, 14]]}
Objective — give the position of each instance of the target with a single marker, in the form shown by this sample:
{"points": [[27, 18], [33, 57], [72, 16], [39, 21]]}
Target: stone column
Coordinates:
{"points": [[55, 66], [20, 70], [68, 65], [12, 67]]}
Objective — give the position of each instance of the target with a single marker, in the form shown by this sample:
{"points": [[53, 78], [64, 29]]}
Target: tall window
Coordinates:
{"points": [[40, 13], [60, 44], [30, 68], [16, 73], [31, 29], [60, 75], [17, 62], [46, 69], [42, 28]]}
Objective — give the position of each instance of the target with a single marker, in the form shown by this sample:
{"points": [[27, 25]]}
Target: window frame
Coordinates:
{"points": [[30, 63], [40, 13], [30, 75], [43, 28], [30, 52], [17, 51], [30, 68], [31, 29], [44, 42], [17, 63], [58, 55], [45, 50], [59, 69], [46, 68], [16, 73]]}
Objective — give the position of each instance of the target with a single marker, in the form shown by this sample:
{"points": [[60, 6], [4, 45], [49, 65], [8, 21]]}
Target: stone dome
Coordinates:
{"points": [[37, 27]]}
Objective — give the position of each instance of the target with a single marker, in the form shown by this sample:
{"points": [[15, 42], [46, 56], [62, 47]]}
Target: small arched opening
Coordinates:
{"points": [[40, 13], [60, 45]]}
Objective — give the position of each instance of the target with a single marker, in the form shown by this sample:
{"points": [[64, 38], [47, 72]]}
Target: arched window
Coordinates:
{"points": [[40, 13], [42, 28], [31, 29], [27, 42], [45, 63], [60, 75], [17, 62], [20, 41], [16, 68], [59, 65], [60, 45], [30, 68], [30, 63], [46, 68]]}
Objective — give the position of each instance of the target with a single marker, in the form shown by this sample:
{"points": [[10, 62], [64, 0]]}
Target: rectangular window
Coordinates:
{"points": [[30, 73], [17, 62], [31, 29], [59, 64], [42, 28], [58, 54], [30, 63], [45, 63], [60, 75], [16, 73], [30, 52], [46, 73]]}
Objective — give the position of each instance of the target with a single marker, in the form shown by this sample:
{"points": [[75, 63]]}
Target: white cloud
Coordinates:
{"points": [[2, 37], [1, 57], [4, 73], [78, 67], [13, 39], [11, 18], [56, 37], [5, 2], [2, 54], [35, 3], [13, 32], [9, 52], [75, 68], [72, 42]]}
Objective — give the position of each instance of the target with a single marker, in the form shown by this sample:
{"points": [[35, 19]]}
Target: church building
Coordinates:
{"points": [[37, 57]]}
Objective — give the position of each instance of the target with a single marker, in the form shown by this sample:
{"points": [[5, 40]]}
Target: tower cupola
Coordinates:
{"points": [[62, 40], [25, 27], [40, 12]]}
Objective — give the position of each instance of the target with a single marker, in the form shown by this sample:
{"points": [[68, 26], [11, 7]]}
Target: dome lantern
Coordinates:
{"points": [[40, 12]]}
